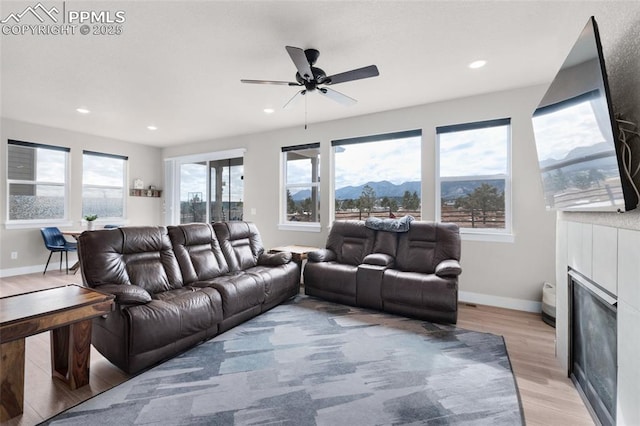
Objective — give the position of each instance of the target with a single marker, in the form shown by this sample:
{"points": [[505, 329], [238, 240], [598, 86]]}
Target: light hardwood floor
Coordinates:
{"points": [[548, 396]]}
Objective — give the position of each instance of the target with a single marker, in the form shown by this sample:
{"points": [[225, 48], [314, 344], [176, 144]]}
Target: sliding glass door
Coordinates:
{"points": [[227, 189], [204, 188], [193, 192]]}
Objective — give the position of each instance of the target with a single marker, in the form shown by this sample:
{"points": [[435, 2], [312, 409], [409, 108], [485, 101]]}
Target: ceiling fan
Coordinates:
{"points": [[315, 79]]}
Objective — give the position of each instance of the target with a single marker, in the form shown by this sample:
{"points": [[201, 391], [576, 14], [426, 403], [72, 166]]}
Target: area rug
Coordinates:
{"points": [[311, 362]]}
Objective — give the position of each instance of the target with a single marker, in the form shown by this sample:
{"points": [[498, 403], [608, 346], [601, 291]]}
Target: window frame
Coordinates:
{"points": [[480, 234], [285, 224], [111, 219], [380, 137], [37, 223]]}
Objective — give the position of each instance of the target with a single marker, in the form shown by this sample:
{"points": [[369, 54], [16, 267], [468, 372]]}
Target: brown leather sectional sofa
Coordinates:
{"points": [[179, 285], [412, 273]]}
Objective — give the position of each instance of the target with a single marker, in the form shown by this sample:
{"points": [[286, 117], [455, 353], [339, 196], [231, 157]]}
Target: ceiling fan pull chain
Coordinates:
{"points": [[305, 112]]}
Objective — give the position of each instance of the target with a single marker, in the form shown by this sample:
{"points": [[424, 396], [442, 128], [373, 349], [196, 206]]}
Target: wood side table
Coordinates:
{"points": [[298, 253], [66, 312]]}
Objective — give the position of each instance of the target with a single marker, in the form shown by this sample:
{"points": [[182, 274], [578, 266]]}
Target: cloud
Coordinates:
{"points": [[397, 161], [478, 152], [563, 130]]}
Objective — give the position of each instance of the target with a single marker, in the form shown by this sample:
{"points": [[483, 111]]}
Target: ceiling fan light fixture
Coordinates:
{"points": [[309, 77]]}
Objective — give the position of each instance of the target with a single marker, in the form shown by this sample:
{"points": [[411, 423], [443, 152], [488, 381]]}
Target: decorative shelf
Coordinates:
{"points": [[145, 193]]}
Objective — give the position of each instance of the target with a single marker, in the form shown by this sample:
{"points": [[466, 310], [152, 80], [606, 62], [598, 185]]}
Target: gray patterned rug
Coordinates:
{"points": [[311, 362]]}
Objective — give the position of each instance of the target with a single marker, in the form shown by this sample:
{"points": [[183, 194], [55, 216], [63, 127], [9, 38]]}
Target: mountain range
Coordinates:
{"points": [[450, 190]]}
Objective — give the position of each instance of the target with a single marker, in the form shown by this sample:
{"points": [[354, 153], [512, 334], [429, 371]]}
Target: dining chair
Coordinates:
{"points": [[54, 241]]}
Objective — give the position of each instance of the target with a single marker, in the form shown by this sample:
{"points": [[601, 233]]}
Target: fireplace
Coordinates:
{"points": [[593, 346]]}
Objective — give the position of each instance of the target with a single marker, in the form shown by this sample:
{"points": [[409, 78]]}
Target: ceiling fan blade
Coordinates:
{"points": [[282, 83], [357, 74], [300, 60], [291, 102], [341, 98]]}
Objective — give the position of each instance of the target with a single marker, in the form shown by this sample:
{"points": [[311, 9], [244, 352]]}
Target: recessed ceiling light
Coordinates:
{"points": [[477, 64], [83, 110], [152, 127], [269, 110]]}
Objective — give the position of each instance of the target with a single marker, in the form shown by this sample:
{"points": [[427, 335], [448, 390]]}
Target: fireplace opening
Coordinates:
{"points": [[593, 351]]}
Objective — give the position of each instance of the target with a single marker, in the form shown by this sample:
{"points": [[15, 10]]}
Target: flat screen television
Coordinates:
{"points": [[580, 156]]}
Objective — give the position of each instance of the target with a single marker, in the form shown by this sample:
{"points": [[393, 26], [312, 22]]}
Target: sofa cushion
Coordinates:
{"points": [[141, 256], [172, 315], [386, 243], [240, 291], [277, 280], [331, 277], [425, 245], [424, 291], [198, 252], [240, 243], [351, 241]]}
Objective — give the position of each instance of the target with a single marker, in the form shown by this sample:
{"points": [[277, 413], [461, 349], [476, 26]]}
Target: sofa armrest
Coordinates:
{"points": [[379, 259], [127, 294], [274, 259], [322, 255], [448, 268]]}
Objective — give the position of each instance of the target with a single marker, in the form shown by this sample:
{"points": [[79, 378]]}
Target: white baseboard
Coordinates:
{"points": [[500, 302], [24, 270]]}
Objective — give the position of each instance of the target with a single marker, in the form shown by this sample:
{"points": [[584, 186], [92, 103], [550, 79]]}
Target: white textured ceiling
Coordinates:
{"points": [[178, 64]]}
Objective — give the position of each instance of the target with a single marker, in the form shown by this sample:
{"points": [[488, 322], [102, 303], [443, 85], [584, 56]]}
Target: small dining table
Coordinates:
{"points": [[75, 233]]}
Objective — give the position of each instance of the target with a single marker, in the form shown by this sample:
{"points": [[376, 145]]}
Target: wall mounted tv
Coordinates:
{"points": [[579, 153]]}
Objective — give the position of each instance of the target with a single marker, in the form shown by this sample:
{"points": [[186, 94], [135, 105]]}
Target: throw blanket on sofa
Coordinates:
{"points": [[390, 225]]}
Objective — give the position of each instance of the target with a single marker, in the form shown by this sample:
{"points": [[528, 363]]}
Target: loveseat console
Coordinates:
{"points": [[412, 273]]}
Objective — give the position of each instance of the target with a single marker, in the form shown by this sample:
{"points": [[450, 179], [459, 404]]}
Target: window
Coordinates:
{"points": [[301, 183], [474, 176], [36, 179], [103, 185], [378, 176]]}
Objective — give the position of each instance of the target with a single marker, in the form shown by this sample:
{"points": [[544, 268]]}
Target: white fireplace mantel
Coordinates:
{"points": [[609, 256]]}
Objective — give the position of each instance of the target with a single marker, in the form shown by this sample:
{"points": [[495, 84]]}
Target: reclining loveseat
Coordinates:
{"points": [[412, 273], [179, 285]]}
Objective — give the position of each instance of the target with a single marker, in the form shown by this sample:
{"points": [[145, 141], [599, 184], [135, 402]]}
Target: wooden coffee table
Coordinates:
{"points": [[65, 311]]}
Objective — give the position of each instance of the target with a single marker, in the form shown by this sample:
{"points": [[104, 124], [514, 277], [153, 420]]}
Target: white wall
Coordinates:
{"points": [[144, 162], [502, 274]]}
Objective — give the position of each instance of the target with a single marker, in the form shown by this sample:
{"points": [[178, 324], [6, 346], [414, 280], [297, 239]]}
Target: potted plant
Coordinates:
{"points": [[90, 218]]}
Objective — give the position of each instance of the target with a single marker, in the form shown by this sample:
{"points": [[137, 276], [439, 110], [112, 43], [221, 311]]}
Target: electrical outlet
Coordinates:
{"points": [[253, 211], [14, 255]]}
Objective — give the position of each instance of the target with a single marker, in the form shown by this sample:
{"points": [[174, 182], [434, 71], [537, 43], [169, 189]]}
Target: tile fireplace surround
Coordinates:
{"points": [[606, 249]]}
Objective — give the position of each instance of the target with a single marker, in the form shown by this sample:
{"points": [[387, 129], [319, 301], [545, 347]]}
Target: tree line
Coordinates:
{"points": [[484, 199]]}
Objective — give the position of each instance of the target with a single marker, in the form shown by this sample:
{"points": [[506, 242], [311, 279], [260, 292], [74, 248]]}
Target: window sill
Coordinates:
{"points": [[487, 237], [36, 224], [303, 227]]}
